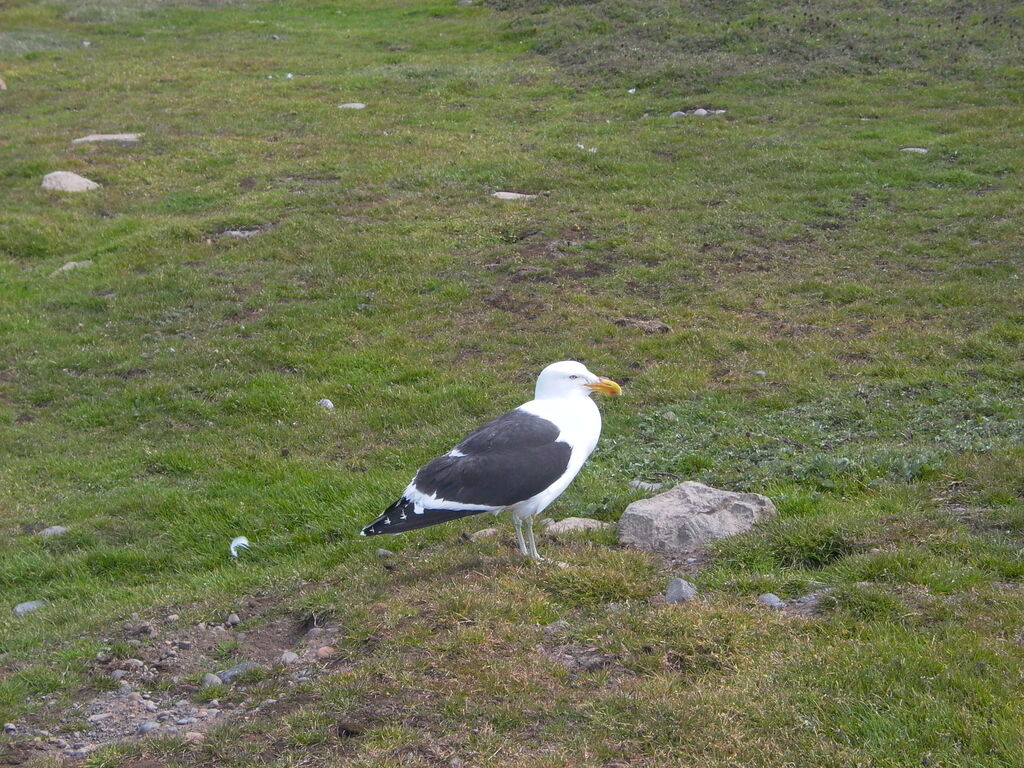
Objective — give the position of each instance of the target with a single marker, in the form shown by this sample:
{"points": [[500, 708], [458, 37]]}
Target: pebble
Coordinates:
{"points": [[148, 727], [324, 652], [71, 265], [678, 114], [384, 552], [232, 672], [483, 533], [194, 736], [65, 181], [54, 530], [186, 721], [211, 679], [120, 138], [771, 600], [512, 196], [99, 716], [10, 728], [700, 112], [680, 591], [117, 674], [352, 105], [669, 416], [325, 404], [233, 620], [289, 657], [23, 609], [172, 618], [133, 663], [917, 150], [643, 485]]}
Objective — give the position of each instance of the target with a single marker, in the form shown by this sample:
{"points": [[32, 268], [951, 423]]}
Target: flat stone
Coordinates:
{"points": [[71, 265], [289, 657], [231, 673], [771, 600], [572, 524], [483, 533], [53, 530], [23, 609], [211, 679], [66, 181], [680, 591], [512, 196], [917, 150], [643, 485], [690, 515], [352, 105], [118, 138]]}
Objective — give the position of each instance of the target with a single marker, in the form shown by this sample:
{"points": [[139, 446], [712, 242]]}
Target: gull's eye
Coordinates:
{"points": [[574, 376]]}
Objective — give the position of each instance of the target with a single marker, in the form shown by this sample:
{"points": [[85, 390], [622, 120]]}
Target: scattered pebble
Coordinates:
{"points": [[237, 543], [54, 530], [918, 150], [771, 600], [643, 485], [512, 196], [231, 673], [98, 138], [483, 533], [65, 181], [148, 727], [289, 657], [698, 112], [117, 674], [324, 652], [22, 609], [71, 265], [233, 620], [680, 591], [211, 679], [381, 552], [352, 105], [325, 404]]}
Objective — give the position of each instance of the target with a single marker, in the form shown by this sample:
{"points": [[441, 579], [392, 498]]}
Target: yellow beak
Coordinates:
{"points": [[606, 387]]}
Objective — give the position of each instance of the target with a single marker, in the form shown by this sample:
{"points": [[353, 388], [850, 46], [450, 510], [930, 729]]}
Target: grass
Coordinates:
{"points": [[846, 334]]}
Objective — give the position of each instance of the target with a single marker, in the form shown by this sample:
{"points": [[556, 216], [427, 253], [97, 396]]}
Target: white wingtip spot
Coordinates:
{"points": [[237, 543]]}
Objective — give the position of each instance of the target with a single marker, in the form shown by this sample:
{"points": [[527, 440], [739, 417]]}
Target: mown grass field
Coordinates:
{"points": [[846, 337]]}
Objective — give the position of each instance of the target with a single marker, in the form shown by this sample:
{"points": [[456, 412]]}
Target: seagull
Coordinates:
{"points": [[521, 461]]}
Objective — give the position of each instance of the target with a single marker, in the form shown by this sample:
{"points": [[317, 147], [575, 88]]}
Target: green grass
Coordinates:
{"points": [[846, 334]]}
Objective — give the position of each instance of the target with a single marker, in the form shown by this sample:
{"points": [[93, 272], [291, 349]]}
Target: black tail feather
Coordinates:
{"points": [[401, 516]]}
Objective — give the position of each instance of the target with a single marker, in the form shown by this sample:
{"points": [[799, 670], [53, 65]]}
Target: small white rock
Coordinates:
{"points": [[512, 196], [65, 181], [53, 530], [771, 600], [678, 114], [325, 404], [119, 138], [631, 90], [71, 265], [700, 112], [23, 609], [918, 150], [352, 105], [381, 552], [237, 543]]}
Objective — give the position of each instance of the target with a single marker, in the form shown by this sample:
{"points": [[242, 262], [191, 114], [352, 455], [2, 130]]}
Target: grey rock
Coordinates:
{"points": [[289, 657], [148, 727], [71, 265], [65, 181], [325, 404], [23, 609], [690, 515], [771, 600], [117, 674], [643, 485], [700, 112], [680, 591], [226, 675], [10, 728], [669, 416], [186, 721], [53, 530], [762, 374], [678, 114], [381, 552], [211, 679], [233, 620], [117, 138], [352, 105], [573, 524]]}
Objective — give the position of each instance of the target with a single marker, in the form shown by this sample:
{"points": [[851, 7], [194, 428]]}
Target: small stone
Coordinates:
{"points": [[194, 737], [289, 657], [669, 416], [10, 728], [65, 181], [917, 150], [324, 652], [573, 524], [771, 600], [148, 727], [23, 609], [483, 533], [381, 552], [71, 265], [680, 591], [99, 716], [54, 530], [678, 114], [233, 620], [762, 374], [352, 105], [118, 138], [186, 721], [325, 404], [700, 112], [512, 196], [643, 485], [231, 673], [133, 663], [117, 674], [275, 37], [172, 618], [211, 679]]}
